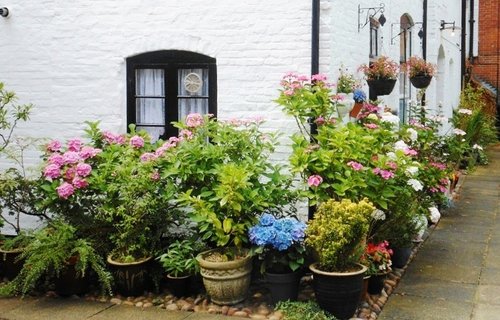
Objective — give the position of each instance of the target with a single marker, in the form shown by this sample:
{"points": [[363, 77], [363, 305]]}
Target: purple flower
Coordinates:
{"points": [[355, 165], [52, 171], [65, 190], [385, 174], [137, 142], [83, 169]]}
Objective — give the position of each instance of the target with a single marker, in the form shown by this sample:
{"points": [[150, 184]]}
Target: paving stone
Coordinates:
{"points": [[485, 312]]}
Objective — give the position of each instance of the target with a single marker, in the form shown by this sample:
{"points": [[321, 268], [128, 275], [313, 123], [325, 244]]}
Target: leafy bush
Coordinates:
{"points": [[296, 310], [11, 114], [180, 258]]}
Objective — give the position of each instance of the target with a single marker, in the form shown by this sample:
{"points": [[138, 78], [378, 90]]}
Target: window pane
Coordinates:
{"points": [[154, 132], [150, 111], [150, 82], [193, 82], [187, 106]]}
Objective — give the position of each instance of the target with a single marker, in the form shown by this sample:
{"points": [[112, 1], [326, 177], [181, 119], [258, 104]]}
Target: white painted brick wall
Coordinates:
{"points": [[68, 57]]}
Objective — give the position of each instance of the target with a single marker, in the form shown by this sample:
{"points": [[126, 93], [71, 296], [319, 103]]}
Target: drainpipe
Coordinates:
{"points": [[424, 27], [462, 44], [314, 67], [471, 31]]}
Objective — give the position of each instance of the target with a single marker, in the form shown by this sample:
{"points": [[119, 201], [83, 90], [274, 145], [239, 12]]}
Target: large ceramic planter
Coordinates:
{"points": [[69, 282], [131, 279], [283, 286], [381, 87], [338, 292], [400, 256], [9, 265], [179, 286], [226, 282], [421, 82]]}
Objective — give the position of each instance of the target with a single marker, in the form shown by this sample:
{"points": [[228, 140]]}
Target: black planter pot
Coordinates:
{"points": [[336, 292], [381, 87], [376, 283], [283, 286], [131, 279], [70, 282], [9, 266], [400, 256], [179, 286], [421, 82]]}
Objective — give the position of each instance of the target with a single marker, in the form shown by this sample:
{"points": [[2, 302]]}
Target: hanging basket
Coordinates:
{"points": [[421, 82], [381, 87]]}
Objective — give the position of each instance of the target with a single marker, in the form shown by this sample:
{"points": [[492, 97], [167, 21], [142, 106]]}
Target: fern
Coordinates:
{"points": [[48, 254]]}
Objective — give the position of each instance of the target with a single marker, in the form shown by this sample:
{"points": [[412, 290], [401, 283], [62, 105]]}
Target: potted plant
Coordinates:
{"points": [[57, 253], [225, 180], [337, 236], [420, 72], [377, 258], [180, 264], [381, 75], [359, 97], [279, 245]]}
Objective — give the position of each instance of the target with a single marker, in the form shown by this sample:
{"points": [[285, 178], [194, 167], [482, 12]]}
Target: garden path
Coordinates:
{"points": [[456, 273]]}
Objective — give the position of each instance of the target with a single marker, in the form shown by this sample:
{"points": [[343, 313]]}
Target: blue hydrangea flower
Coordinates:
{"points": [[359, 95], [267, 219], [279, 234]]}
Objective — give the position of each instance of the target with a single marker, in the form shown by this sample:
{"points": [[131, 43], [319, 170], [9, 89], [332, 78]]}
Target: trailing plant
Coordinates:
{"points": [[416, 66], [51, 250], [300, 310], [338, 232], [381, 68]]}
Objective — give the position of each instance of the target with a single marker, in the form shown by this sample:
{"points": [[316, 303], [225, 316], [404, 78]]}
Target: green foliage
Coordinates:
{"points": [[225, 178], [11, 114], [180, 258], [346, 82], [50, 252], [338, 232], [20, 241], [298, 310]]}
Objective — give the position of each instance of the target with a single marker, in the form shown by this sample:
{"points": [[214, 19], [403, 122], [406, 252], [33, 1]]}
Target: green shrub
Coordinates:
{"points": [[297, 310]]}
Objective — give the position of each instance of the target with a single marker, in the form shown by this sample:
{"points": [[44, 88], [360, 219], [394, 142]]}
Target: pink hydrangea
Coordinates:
{"points": [[314, 180], [112, 138], [137, 142], [318, 77], [355, 165], [148, 156], [70, 174], [54, 146], [320, 121], [194, 120], [89, 152], [393, 165], [155, 176], [288, 92], [80, 183], [161, 150], [410, 152], [52, 171], [385, 174], [65, 190], [185, 134], [371, 125], [83, 169], [438, 165], [57, 159], [71, 157], [74, 145]]}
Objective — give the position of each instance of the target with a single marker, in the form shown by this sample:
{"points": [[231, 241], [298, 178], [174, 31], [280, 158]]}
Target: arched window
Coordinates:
{"points": [[165, 86]]}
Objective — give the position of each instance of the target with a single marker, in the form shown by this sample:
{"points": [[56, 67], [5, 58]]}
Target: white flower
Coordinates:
{"points": [[400, 145], [435, 214], [415, 184], [465, 111], [392, 156], [411, 171], [420, 225], [413, 134], [459, 132], [478, 147], [391, 118], [378, 214]]}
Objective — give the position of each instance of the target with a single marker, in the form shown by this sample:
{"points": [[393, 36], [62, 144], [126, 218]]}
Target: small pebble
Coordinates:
{"points": [[147, 305], [240, 314], [172, 307], [139, 304], [115, 301]]}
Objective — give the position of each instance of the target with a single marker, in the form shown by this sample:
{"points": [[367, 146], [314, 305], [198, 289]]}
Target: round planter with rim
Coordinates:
{"points": [[421, 82], [283, 286], [131, 279], [338, 292], [179, 286], [364, 292], [226, 282], [9, 265], [381, 87], [400, 256], [376, 283]]}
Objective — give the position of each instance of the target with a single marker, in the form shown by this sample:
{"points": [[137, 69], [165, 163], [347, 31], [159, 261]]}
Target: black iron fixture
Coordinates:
{"points": [[444, 26], [4, 12], [370, 13], [420, 32]]}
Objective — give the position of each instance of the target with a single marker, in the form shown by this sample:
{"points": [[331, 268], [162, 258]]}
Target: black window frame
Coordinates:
{"points": [[170, 61]]}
